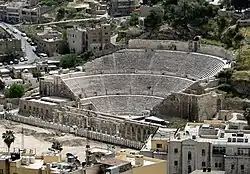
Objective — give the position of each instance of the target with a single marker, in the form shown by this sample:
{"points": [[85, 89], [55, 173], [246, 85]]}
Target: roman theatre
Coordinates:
{"points": [[127, 94]]}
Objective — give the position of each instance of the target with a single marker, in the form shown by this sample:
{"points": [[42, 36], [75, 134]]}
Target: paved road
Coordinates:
{"points": [[27, 48]]}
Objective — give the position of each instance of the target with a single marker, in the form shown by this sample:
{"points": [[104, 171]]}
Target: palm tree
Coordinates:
{"points": [[8, 138], [57, 145]]}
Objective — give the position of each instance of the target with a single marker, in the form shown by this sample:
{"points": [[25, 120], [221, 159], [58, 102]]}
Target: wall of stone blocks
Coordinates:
{"points": [[91, 134], [178, 105], [180, 46], [187, 106], [36, 109], [207, 106]]}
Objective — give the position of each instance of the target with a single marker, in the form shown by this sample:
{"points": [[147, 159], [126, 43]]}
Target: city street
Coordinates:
{"points": [[27, 48]]}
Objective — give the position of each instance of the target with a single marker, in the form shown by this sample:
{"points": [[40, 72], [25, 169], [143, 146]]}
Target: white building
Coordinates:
{"points": [[202, 146]]}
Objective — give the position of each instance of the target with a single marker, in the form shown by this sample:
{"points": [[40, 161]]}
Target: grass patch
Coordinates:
{"points": [[241, 76]]}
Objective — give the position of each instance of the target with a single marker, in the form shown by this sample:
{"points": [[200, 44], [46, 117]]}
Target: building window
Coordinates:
{"points": [[242, 167], [220, 165], [73, 41], [203, 153], [24, 107], [175, 163], [158, 145], [232, 166], [189, 155], [1, 171], [203, 164], [175, 150], [94, 40], [189, 169], [215, 165], [106, 33]]}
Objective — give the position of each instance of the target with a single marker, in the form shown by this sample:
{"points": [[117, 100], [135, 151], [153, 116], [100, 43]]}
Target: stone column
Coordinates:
{"points": [[142, 134], [136, 134], [131, 133]]}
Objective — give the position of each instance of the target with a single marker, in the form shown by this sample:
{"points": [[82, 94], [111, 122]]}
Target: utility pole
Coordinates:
{"points": [[22, 138], [87, 152]]}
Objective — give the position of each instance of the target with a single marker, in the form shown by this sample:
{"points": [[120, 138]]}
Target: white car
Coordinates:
{"points": [[23, 34], [25, 58], [43, 55], [21, 59], [15, 31], [11, 62]]}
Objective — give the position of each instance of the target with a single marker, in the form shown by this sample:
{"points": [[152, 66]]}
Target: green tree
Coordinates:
{"points": [[222, 24], [225, 75], [63, 47], [154, 19], [238, 38], [36, 74], [68, 61], [57, 145], [60, 14], [8, 138], [133, 21], [15, 91]]}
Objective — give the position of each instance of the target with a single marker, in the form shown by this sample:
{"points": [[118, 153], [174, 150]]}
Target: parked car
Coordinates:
{"points": [[11, 62], [32, 43], [23, 34], [16, 61], [29, 40], [43, 55], [21, 59], [1, 64], [25, 58], [15, 31]]}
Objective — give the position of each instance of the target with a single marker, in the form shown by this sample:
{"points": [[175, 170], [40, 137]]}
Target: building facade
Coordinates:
{"points": [[12, 13], [89, 39], [49, 41], [211, 148], [121, 7]]}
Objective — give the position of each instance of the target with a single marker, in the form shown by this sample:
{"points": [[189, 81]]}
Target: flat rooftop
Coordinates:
{"points": [[55, 99], [212, 172], [21, 67], [43, 102], [191, 131]]}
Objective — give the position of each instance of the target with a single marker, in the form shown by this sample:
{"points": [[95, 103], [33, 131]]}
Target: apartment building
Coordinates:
{"points": [[49, 41], [121, 7], [18, 12], [203, 146], [92, 38], [8, 42]]}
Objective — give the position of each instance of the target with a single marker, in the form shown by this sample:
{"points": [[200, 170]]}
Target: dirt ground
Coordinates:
{"points": [[41, 139]]}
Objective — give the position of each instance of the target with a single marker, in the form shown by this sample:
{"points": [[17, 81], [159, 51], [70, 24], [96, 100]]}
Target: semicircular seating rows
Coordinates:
{"points": [[133, 80]]}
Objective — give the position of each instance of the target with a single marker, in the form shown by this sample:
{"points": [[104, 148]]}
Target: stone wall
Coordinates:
{"points": [[43, 110], [79, 132], [180, 46], [187, 106], [103, 123], [234, 104], [207, 106], [55, 87]]}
